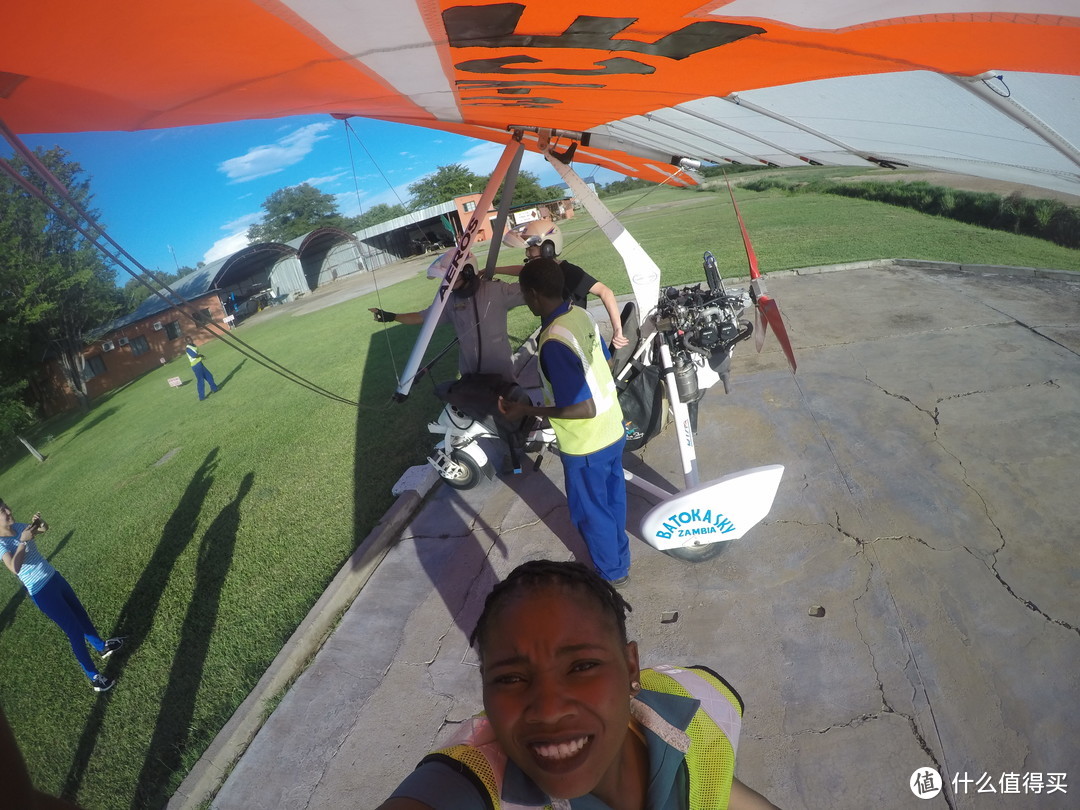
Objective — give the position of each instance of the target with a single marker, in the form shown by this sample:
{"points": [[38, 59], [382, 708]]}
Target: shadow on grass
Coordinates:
{"points": [[137, 616], [98, 416], [230, 375], [7, 615], [170, 739]]}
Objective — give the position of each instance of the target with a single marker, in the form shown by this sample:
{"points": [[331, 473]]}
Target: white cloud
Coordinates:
{"points": [[322, 181], [236, 238], [226, 246], [398, 195], [348, 204], [260, 161]]}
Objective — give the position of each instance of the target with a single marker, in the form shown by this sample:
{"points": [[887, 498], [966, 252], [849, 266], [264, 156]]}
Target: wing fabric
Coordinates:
{"points": [[781, 82]]}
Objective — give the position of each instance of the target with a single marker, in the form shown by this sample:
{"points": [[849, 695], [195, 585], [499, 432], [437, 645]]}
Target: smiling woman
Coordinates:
{"points": [[571, 721]]}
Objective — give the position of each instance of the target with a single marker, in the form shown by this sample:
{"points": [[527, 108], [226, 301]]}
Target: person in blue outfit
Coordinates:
{"points": [[582, 405], [52, 593], [202, 373], [571, 721]]}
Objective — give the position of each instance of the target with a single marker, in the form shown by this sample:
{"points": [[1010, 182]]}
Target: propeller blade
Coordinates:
{"points": [[766, 306], [771, 310], [760, 327], [751, 257]]}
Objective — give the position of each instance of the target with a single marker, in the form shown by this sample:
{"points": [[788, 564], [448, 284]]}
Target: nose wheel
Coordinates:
{"points": [[695, 554], [458, 469]]}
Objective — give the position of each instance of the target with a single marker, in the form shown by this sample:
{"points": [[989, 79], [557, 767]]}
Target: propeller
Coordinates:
{"points": [[766, 311]]}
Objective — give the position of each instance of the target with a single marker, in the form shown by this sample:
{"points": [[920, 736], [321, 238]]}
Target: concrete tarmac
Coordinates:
{"points": [[910, 602]]}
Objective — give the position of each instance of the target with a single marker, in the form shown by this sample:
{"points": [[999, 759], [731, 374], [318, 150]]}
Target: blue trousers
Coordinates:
{"points": [[596, 491], [58, 601], [202, 374]]}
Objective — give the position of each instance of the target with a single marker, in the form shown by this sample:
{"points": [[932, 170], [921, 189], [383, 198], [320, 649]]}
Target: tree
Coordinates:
{"points": [[379, 213], [15, 417], [528, 190], [294, 211], [55, 286], [444, 184]]}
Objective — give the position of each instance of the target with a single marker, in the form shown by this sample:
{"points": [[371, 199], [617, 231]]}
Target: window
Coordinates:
{"points": [[172, 330], [139, 346], [94, 366], [469, 206]]}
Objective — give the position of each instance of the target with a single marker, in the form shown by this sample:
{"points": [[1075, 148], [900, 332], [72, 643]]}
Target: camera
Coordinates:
{"points": [[36, 522]]}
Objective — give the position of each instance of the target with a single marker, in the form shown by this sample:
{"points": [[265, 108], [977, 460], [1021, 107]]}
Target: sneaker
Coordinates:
{"points": [[111, 646], [102, 684], [619, 583]]}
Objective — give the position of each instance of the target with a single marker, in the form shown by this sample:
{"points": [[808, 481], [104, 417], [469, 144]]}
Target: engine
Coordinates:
{"points": [[701, 327]]}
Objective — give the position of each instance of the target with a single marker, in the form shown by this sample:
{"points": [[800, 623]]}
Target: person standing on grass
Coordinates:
{"points": [[582, 405], [202, 373], [52, 593]]}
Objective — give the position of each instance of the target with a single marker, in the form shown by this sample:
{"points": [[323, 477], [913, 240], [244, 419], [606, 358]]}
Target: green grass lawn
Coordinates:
{"points": [[207, 561]]}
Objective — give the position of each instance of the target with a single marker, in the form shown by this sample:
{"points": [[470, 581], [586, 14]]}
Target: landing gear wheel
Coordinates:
{"points": [[695, 554], [468, 474]]}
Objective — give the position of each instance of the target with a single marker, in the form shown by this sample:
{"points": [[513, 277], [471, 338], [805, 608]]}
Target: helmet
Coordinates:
{"points": [[441, 265], [542, 232]]}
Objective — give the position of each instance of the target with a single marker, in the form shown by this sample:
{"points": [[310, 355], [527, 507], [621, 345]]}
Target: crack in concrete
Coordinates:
{"points": [[886, 707], [992, 567], [1051, 382], [936, 412]]}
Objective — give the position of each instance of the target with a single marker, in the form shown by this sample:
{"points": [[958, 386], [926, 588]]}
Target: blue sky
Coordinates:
{"points": [[176, 197]]}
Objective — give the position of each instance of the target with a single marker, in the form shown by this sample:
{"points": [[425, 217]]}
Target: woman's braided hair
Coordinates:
{"points": [[535, 574]]}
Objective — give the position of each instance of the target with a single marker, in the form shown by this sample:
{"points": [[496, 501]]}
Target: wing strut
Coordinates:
{"points": [[642, 270], [510, 155]]}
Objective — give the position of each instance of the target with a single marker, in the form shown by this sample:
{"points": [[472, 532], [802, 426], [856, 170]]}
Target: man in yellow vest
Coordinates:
{"points": [[202, 373], [582, 405]]}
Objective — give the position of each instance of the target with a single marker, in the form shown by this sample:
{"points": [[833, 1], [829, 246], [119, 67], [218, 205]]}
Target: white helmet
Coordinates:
{"points": [[441, 265], [542, 232]]}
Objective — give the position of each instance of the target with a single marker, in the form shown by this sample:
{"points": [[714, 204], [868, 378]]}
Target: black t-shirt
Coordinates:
{"points": [[577, 283]]}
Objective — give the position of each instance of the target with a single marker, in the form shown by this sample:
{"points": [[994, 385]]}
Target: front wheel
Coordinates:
{"points": [[466, 473], [695, 554]]}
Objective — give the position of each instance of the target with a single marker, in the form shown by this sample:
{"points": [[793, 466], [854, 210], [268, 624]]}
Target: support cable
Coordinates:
{"points": [[117, 254]]}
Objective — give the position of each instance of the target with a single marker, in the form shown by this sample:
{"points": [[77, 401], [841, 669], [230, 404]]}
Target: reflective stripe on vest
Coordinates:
{"points": [[710, 758], [719, 708], [576, 330]]}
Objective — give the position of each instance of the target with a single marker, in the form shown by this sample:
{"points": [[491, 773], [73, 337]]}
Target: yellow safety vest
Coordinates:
{"points": [[193, 359], [710, 759], [576, 330]]}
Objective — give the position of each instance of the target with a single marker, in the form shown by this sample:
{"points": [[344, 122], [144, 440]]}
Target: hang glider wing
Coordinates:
{"points": [[985, 87]]}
